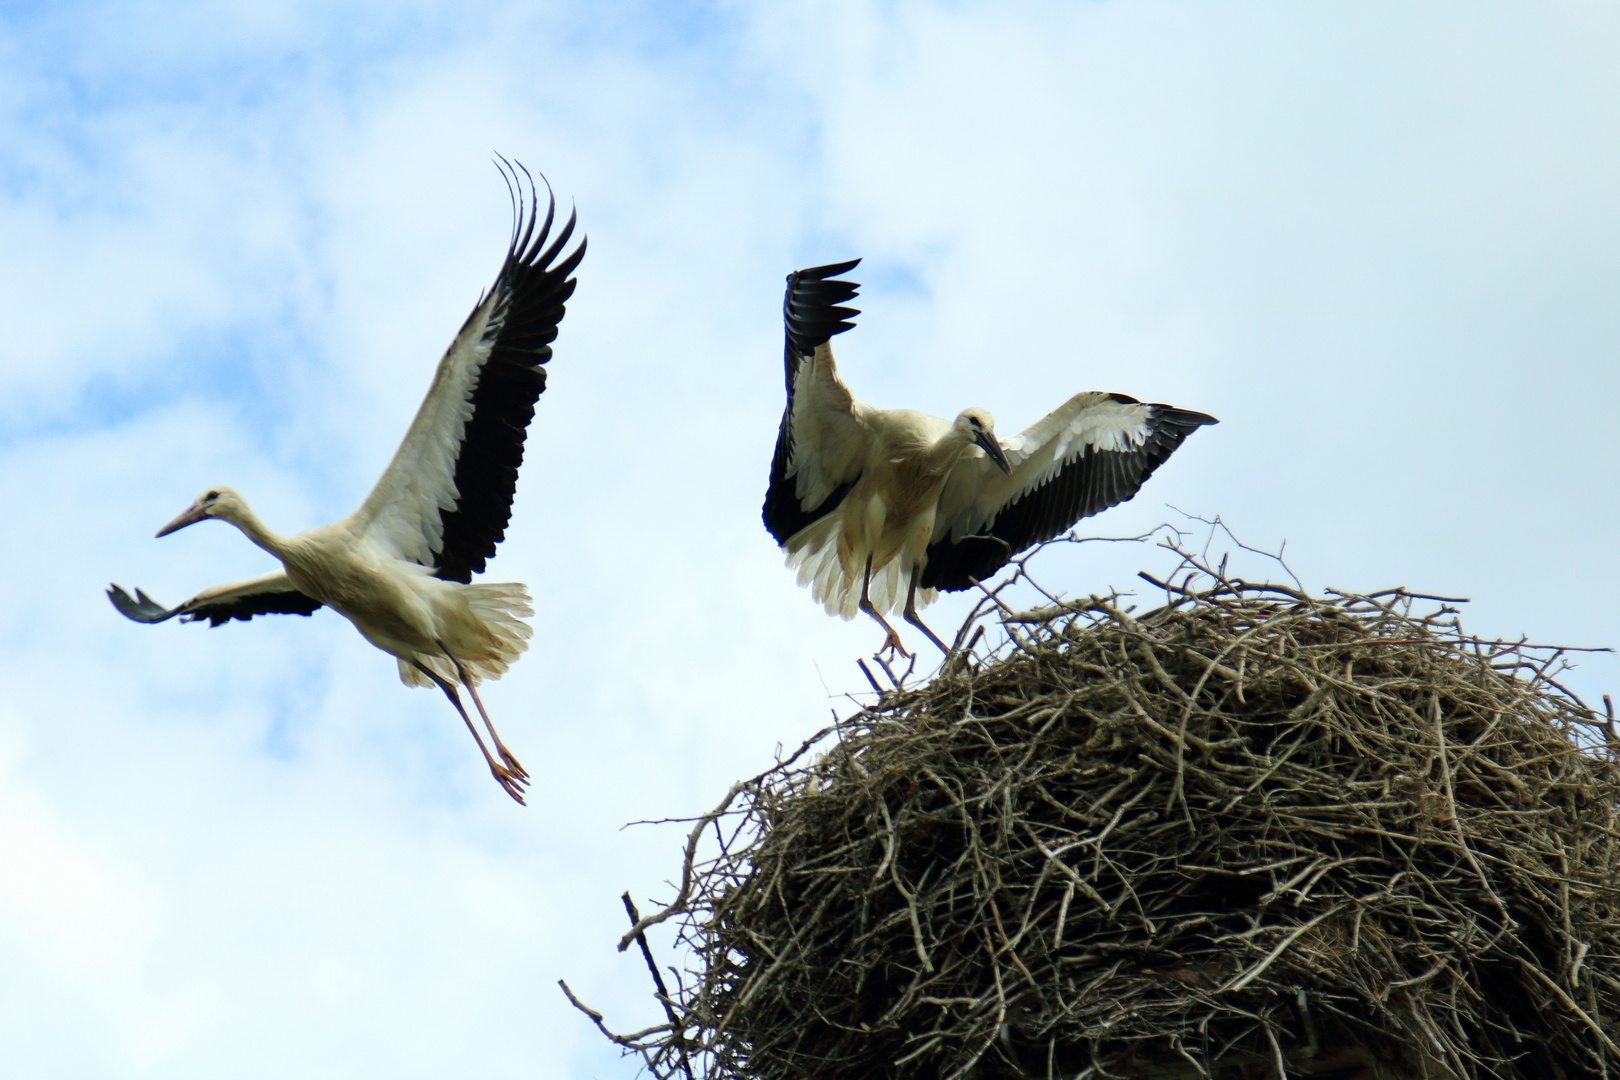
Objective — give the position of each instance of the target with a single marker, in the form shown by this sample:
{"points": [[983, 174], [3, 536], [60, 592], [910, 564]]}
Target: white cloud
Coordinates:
{"points": [[233, 242]]}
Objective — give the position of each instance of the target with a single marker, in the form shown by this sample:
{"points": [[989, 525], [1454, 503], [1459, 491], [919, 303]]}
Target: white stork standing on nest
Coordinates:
{"points": [[400, 567], [872, 505]]}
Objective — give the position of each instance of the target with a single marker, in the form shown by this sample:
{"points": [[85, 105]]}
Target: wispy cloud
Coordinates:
{"points": [[233, 241]]}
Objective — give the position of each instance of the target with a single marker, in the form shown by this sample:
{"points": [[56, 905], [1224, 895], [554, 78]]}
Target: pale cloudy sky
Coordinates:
{"points": [[1380, 241]]}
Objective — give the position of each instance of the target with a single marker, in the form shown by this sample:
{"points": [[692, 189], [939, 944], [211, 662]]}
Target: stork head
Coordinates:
{"points": [[978, 427], [216, 502]]}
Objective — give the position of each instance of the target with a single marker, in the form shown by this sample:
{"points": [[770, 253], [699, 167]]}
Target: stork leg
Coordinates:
{"points": [[500, 747], [510, 781], [893, 640], [911, 612]]}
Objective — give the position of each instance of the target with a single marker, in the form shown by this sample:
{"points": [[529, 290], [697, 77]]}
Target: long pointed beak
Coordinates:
{"points": [[988, 442], [193, 514]]}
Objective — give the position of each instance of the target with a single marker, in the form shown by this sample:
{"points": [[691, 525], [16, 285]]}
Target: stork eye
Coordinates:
{"points": [[211, 496]]}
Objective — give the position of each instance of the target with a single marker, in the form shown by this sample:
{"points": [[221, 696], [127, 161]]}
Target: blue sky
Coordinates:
{"points": [[1380, 242]]}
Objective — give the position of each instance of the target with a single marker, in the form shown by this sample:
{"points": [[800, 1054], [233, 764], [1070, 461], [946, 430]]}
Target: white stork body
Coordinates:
{"points": [[878, 509], [397, 605], [887, 517], [399, 567]]}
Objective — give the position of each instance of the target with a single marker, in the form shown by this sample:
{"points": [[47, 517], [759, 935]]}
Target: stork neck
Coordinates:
{"points": [[256, 531], [943, 455]]}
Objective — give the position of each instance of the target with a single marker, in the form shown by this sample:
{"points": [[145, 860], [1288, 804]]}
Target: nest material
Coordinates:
{"points": [[1249, 833]]}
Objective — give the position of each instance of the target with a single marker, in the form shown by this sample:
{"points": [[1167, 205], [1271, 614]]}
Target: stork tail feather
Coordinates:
{"points": [[813, 552], [499, 609]]}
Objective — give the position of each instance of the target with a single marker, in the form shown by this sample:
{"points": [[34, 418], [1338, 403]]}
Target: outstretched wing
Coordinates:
{"points": [[823, 438], [1093, 452], [446, 497], [267, 594]]}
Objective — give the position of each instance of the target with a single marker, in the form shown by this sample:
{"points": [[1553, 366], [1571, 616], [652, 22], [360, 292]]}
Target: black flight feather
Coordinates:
{"points": [[811, 316], [143, 608], [530, 302]]}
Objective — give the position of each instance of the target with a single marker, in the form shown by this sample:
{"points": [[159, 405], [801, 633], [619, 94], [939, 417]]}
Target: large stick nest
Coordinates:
{"points": [[1248, 833]]}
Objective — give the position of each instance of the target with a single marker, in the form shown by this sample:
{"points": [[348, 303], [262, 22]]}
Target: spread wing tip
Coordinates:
{"points": [[140, 607], [821, 273], [530, 230], [1182, 418], [531, 294], [1169, 427], [811, 310]]}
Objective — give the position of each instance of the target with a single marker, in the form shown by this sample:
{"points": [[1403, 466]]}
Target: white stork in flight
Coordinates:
{"points": [[875, 505], [400, 567]]}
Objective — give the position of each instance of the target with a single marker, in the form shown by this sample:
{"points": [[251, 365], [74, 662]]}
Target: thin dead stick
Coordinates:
{"points": [[688, 861], [1456, 821], [1254, 973], [887, 671], [868, 673], [1614, 736], [1276, 1053], [629, 1042], [676, 1028], [685, 891], [1569, 1003], [1053, 611]]}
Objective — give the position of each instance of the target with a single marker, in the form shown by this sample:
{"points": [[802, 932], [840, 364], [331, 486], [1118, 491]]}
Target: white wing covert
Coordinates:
{"points": [[831, 433]]}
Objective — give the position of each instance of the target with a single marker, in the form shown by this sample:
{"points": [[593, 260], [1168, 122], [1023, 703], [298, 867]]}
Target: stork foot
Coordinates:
{"points": [[512, 783], [512, 763], [892, 645], [891, 641], [511, 775]]}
